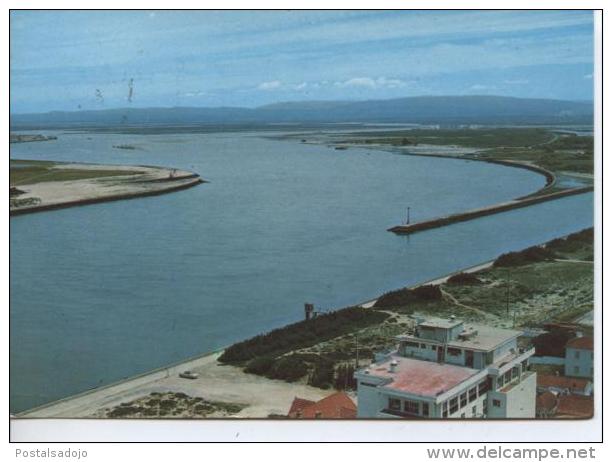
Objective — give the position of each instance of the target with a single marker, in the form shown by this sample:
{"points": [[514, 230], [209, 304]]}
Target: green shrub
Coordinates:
{"points": [[322, 375], [259, 366], [288, 368], [404, 297], [302, 334], [524, 257], [463, 278]]}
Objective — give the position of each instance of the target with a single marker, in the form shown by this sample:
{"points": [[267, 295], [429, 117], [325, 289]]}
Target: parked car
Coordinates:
{"points": [[189, 375]]}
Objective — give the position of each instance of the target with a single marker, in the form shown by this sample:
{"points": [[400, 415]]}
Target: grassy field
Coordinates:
{"points": [[475, 138], [28, 172], [555, 284], [169, 404], [542, 284], [557, 152]]}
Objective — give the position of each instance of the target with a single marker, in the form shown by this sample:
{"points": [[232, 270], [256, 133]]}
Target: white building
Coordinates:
{"points": [[447, 369], [579, 357]]}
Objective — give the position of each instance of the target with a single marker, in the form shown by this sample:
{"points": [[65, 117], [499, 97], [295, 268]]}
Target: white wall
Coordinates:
{"points": [[581, 366]]}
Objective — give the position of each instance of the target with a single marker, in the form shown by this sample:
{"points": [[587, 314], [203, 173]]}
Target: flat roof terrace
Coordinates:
{"points": [[478, 337], [421, 378]]}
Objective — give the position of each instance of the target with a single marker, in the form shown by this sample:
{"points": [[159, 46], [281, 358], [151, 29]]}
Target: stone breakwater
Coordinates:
{"points": [[484, 211]]}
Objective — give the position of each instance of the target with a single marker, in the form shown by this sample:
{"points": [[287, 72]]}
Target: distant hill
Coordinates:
{"points": [[421, 109]]}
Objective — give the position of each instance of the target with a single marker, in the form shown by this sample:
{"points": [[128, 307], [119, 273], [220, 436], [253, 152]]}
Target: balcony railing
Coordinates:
{"points": [[402, 414]]}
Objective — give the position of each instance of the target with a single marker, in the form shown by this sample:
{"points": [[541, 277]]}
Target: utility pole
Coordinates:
{"points": [[407, 215]]}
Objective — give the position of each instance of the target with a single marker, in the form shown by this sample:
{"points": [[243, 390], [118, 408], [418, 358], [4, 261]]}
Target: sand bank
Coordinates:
{"points": [[126, 182]]}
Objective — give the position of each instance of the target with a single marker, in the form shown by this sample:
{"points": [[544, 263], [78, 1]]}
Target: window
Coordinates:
{"points": [[483, 387], [445, 409], [395, 404], [484, 407], [423, 346], [500, 381], [577, 354], [433, 347], [425, 409], [412, 344], [496, 403], [411, 407], [515, 372], [576, 370], [463, 399], [472, 394], [474, 410], [453, 351], [508, 376], [463, 415], [454, 405]]}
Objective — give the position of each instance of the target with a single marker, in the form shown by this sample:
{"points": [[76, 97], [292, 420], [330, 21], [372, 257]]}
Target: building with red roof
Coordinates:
{"points": [[575, 407], [546, 405], [449, 369], [336, 406], [564, 385]]}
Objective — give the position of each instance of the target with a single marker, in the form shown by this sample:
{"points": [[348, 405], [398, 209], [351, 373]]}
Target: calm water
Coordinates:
{"points": [[107, 291]]}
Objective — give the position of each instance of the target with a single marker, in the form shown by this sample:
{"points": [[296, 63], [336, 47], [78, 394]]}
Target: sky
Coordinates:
{"points": [[80, 60]]}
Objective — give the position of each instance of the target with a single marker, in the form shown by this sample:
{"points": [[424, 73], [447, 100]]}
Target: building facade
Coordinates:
{"points": [[579, 357], [447, 369]]}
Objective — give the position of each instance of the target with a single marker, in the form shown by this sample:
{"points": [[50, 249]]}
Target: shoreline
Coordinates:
{"points": [[137, 385], [131, 182]]}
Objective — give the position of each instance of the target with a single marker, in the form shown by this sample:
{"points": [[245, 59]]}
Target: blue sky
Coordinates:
{"points": [[71, 60]]}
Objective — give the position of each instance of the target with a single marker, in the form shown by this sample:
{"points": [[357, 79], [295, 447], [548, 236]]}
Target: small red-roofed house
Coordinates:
{"points": [[546, 405], [575, 407], [336, 406], [564, 385]]}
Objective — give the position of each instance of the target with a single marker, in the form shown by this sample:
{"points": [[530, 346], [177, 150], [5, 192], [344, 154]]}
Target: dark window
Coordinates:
{"points": [[496, 403], [433, 347], [454, 405], [508, 376], [412, 344], [411, 407], [453, 351], [395, 404], [463, 399], [515, 372], [472, 394], [483, 387], [425, 409]]}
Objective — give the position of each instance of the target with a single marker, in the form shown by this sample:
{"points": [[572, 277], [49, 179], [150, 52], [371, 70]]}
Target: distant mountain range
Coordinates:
{"points": [[420, 109]]}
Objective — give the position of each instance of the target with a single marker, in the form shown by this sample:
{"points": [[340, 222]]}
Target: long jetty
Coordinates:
{"points": [[484, 211]]}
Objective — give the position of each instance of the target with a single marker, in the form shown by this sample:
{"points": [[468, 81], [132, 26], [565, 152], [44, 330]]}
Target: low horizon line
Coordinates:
{"points": [[585, 101]]}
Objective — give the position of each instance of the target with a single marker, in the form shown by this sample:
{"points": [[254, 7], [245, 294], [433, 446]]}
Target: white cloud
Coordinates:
{"points": [[478, 86], [194, 93], [516, 82], [369, 82], [272, 85]]}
